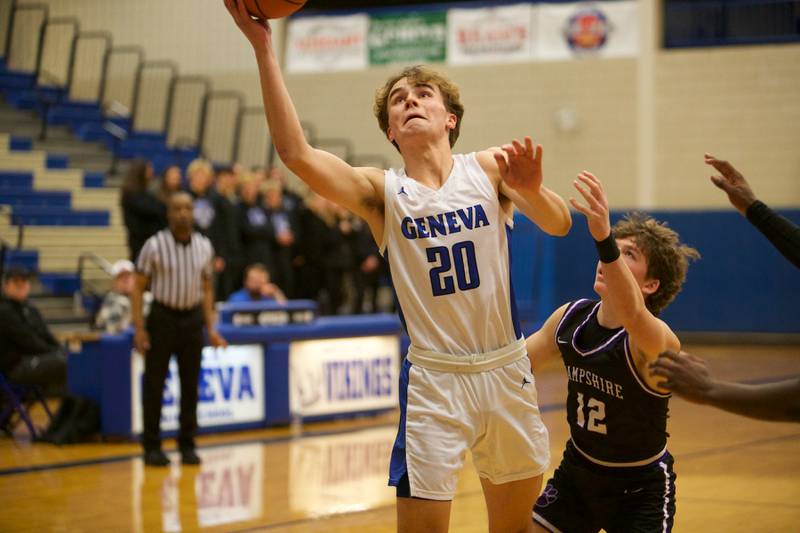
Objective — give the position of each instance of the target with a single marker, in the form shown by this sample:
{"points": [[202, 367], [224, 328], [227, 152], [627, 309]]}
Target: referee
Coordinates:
{"points": [[177, 264]]}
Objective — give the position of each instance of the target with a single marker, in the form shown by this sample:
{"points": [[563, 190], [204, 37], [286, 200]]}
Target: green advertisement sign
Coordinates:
{"points": [[408, 38]]}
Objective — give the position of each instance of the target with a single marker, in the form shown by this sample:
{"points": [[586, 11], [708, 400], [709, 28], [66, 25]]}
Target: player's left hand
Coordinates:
{"points": [[596, 210], [521, 166]]}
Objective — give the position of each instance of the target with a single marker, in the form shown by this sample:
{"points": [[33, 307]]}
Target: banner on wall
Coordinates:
{"points": [[407, 37], [595, 29], [490, 35], [331, 376], [327, 43], [230, 389]]}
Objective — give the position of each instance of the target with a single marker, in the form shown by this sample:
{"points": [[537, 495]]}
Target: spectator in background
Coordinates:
{"points": [[115, 313], [29, 354], [339, 265], [209, 211], [256, 230], [284, 225], [291, 201], [312, 248], [231, 277], [369, 268], [257, 287], [171, 182], [141, 210]]}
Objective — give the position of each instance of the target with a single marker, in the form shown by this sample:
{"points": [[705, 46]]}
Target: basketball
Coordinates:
{"points": [[272, 9]]}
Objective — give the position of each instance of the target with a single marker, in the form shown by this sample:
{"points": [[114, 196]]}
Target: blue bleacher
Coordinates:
{"points": [[25, 197], [28, 259], [94, 180], [18, 180], [57, 161], [59, 216], [60, 283], [87, 122], [20, 144]]}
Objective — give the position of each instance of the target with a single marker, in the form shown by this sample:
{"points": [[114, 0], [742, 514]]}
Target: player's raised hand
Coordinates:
{"points": [[521, 165], [684, 374], [258, 32], [733, 183], [596, 208]]}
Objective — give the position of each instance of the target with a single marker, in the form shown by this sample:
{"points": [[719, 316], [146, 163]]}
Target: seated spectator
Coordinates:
{"points": [[257, 287], [115, 313], [29, 354]]}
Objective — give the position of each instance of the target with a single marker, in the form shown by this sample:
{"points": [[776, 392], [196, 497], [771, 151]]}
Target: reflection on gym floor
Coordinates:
{"points": [[327, 475]]}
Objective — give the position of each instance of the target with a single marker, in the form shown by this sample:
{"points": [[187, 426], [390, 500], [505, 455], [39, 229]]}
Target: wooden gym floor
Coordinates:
{"points": [[734, 474]]}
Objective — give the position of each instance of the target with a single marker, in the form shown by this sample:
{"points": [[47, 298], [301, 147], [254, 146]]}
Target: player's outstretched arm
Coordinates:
{"points": [[519, 170], [358, 189], [781, 232], [542, 347], [687, 376], [649, 336]]}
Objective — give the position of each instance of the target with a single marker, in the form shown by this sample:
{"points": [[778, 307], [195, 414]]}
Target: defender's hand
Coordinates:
{"points": [[733, 183], [596, 210], [685, 375]]}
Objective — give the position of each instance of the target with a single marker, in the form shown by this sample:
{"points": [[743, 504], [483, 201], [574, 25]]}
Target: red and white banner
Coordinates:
{"points": [[490, 35], [318, 44], [587, 29]]}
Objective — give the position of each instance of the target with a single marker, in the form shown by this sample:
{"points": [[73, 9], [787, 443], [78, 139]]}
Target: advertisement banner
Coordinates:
{"points": [[408, 37], [587, 29], [319, 44], [490, 35], [331, 376], [231, 388]]}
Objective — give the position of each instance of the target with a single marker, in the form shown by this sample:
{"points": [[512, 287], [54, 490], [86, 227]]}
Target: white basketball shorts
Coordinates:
{"points": [[494, 414]]}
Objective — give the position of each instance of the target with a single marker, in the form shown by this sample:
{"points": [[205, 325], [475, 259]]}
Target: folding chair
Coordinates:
{"points": [[17, 400]]}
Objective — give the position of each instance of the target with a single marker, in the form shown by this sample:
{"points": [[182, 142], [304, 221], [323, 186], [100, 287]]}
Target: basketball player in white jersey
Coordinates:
{"points": [[443, 222]]}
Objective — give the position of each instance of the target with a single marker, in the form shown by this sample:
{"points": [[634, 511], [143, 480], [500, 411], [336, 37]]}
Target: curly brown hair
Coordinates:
{"points": [[420, 74], [667, 258]]}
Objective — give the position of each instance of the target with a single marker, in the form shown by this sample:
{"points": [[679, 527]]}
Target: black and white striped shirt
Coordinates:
{"points": [[176, 270]]}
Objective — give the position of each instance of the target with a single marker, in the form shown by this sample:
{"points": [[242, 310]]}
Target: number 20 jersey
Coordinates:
{"points": [[615, 418], [450, 260]]}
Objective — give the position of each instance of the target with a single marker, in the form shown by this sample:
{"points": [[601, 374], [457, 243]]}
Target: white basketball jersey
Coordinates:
{"points": [[449, 255]]}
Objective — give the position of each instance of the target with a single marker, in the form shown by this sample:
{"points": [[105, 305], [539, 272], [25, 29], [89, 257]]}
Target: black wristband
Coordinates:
{"points": [[607, 249]]}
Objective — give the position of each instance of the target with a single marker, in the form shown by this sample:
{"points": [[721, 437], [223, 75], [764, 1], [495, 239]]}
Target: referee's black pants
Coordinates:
{"points": [[172, 332]]}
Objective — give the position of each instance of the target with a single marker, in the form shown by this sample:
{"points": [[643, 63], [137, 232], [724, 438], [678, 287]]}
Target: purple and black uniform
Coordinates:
{"points": [[616, 473]]}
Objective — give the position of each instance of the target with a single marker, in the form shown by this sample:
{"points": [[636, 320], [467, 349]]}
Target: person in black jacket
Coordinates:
{"points": [[141, 210], [231, 278], [29, 354], [284, 224], [209, 210], [257, 233]]}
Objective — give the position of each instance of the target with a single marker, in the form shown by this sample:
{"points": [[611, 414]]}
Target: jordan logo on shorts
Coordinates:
{"points": [[524, 382], [402, 191]]}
